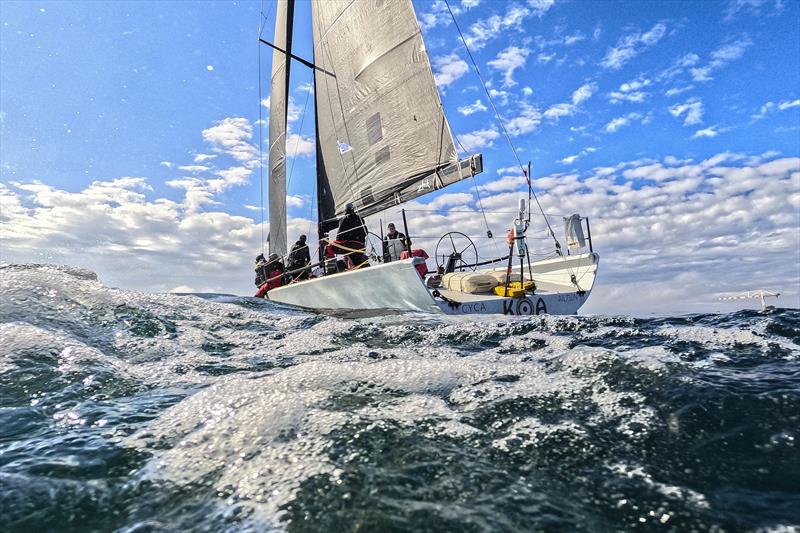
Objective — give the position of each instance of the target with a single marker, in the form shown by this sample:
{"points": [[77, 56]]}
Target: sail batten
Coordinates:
{"points": [[381, 129]]}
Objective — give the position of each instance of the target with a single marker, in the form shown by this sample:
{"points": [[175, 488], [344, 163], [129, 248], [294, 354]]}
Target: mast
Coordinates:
{"points": [[278, 113]]}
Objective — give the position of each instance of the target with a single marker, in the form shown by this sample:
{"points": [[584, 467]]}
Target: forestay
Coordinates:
{"points": [[382, 137]]}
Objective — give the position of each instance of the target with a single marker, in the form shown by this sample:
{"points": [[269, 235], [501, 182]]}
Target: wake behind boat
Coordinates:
{"points": [[382, 139]]}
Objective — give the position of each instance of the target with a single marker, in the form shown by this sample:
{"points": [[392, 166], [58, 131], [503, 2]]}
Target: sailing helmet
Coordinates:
{"points": [[349, 208]]}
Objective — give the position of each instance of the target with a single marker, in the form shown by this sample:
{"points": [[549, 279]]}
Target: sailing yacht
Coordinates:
{"points": [[382, 139]]}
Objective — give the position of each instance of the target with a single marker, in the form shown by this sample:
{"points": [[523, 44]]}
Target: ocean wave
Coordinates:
{"points": [[132, 411]]}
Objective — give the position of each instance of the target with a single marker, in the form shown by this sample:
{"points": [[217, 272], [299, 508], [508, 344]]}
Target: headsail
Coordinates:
{"points": [[278, 108], [382, 137]]}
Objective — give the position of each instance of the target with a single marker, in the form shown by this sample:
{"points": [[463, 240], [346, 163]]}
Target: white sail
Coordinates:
{"points": [[278, 108], [382, 137]]}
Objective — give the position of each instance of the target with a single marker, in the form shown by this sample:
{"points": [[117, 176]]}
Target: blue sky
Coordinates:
{"points": [[165, 95]]}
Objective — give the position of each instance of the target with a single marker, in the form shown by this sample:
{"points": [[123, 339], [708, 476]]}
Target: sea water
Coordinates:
{"points": [[128, 411]]}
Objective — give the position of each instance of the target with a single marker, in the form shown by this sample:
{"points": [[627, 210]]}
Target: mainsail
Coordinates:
{"points": [[278, 108], [382, 137]]}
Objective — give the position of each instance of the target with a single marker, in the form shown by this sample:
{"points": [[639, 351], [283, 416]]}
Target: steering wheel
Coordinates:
{"points": [[461, 247]]}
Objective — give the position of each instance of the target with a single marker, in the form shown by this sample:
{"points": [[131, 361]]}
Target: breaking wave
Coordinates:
{"points": [[130, 411]]}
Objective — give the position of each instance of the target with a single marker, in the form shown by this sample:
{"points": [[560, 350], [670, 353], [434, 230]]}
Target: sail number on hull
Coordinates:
{"points": [[521, 306]]}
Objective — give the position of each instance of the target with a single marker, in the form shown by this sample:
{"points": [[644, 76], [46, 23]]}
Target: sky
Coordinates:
{"points": [[130, 132]]}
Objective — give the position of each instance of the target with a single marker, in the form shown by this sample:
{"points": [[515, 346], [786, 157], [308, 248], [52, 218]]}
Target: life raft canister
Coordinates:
{"points": [[417, 252]]}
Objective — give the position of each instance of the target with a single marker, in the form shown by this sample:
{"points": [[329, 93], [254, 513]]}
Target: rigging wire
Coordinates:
{"points": [[500, 121]]}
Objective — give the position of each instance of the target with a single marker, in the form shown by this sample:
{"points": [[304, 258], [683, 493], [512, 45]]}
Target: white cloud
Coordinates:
{"points": [[508, 61], [788, 105], [772, 107], [730, 52], [540, 7], [630, 92], [513, 182], [527, 121], [675, 91], [572, 158], [692, 108], [451, 199], [231, 136], [167, 164], [501, 97], [448, 69], [619, 122], [679, 66], [294, 201], [527, 91], [569, 40], [130, 240], [478, 139], [193, 168], [583, 93], [297, 145], [545, 57], [616, 97], [483, 31], [556, 111], [472, 108], [709, 132], [199, 158], [437, 16], [580, 95], [720, 57], [701, 74], [632, 45], [754, 8]]}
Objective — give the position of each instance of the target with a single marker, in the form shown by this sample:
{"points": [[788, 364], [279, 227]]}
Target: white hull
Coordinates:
{"points": [[397, 286]]}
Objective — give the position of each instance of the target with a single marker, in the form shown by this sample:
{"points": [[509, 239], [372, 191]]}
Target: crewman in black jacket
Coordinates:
{"points": [[300, 257], [352, 234]]}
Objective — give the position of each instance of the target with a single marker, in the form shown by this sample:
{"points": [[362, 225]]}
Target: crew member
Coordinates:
{"points": [[271, 271], [393, 233], [394, 244], [352, 235], [261, 270], [300, 257]]}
